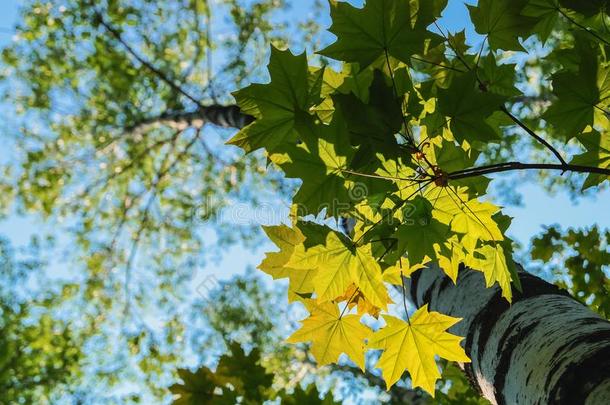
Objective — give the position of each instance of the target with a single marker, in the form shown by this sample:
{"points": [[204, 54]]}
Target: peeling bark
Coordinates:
{"points": [[544, 348]]}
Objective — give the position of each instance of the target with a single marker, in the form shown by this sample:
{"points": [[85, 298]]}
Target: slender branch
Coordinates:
{"points": [[510, 166], [164, 77], [534, 135]]}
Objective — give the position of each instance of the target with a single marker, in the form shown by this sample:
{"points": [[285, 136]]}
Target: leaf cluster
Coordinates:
{"points": [[389, 144]]}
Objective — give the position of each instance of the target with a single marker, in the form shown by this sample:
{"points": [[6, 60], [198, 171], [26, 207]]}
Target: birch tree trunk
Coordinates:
{"points": [[545, 348]]}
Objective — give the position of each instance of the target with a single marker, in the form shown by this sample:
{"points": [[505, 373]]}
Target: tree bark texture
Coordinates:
{"points": [[544, 348], [226, 116]]}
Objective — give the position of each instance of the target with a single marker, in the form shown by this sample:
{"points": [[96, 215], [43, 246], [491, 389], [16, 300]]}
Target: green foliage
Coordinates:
{"points": [[579, 259], [111, 145], [40, 355], [237, 375], [381, 27], [238, 379]]}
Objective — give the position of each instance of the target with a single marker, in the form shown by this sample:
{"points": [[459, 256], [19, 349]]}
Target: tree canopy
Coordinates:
{"points": [[393, 140]]}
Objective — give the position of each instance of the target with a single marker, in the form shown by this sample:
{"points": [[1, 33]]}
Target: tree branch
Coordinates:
{"points": [[534, 135], [509, 166], [160, 74], [226, 116]]}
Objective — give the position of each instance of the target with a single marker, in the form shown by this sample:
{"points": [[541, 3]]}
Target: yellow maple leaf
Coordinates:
{"points": [[494, 267], [354, 298], [412, 347], [393, 274], [339, 264], [274, 264], [331, 334], [468, 217], [450, 255]]}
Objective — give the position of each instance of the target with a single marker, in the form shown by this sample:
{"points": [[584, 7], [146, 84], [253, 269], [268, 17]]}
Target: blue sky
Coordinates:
{"points": [[539, 208]]}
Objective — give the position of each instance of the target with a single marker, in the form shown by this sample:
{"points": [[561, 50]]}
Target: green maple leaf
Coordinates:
{"points": [[420, 234], [282, 106], [582, 94], [320, 165], [252, 378], [451, 157], [237, 375], [597, 155], [499, 79], [577, 95], [468, 107], [502, 22], [198, 388], [546, 14], [397, 27], [309, 396], [372, 126]]}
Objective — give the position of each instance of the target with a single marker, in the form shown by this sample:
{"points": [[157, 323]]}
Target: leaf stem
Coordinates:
{"points": [[404, 293], [349, 301]]}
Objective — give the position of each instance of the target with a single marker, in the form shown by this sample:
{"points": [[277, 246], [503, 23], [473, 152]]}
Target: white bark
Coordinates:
{"points": [[226, 116], [545, 348]]}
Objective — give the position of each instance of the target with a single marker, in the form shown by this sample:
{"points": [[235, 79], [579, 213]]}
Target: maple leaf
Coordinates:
{"points": [[274, 264], [365, 34], [340, 264], [471, 218], [502, 22], [494, 267], [280, 106], [577, 96], [403, 268], [331, 334], [413, 345], [450, 255], [420, 233], [597, 155], [546, 13], [354, 298], [468, 107], [320, 165]]}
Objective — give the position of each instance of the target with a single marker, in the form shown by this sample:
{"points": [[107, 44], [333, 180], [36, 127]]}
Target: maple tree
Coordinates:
{"points": [[391, 136], [411, 141]]}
